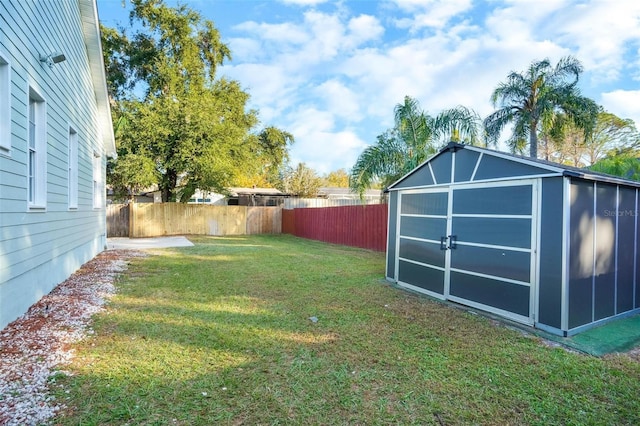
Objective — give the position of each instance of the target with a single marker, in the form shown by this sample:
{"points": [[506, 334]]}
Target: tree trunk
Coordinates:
{"points": [[533, 140], [168, 186]]}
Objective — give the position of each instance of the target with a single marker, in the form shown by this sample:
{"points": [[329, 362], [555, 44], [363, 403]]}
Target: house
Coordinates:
{"points": [[539, 243], [253, 197], [55, 136]]}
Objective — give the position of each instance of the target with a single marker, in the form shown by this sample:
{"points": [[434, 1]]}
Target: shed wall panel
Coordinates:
{"points": [[428, 228], [430, 279], [422, 251], [430, 203], [625, 249], [512, 232], [498, 294], [441, 166], [636, 289], [605, 260], [392, 235], [581, 254], [419, 177], [497, 168], [465, 164], [501, 200], [514, 265], [551, 242]]}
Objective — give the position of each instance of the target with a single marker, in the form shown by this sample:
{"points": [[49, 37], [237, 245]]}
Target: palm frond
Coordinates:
{"points": [[459, 124]]}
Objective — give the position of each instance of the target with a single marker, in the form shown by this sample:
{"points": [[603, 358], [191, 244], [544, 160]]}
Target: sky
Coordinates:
{"points": [[331, 72]]}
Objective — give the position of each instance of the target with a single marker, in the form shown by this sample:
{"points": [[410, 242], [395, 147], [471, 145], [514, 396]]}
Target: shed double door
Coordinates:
{"points": [[474, 244]]}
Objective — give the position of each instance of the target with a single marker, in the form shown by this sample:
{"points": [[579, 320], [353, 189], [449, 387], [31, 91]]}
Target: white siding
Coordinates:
{"points": [[40, 248]]}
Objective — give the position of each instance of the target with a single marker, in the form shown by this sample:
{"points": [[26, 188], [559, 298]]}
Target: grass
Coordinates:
{"points": [[220, 333]]}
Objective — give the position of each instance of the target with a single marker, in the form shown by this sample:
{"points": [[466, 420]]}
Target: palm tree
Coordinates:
{"points": [[531, 101], [414, 137]]}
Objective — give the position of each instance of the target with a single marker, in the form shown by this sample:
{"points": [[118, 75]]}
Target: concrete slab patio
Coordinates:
{"points": [[118, 243]]}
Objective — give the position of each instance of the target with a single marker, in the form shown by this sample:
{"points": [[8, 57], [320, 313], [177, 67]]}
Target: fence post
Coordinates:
{"points": [[132, 214]]}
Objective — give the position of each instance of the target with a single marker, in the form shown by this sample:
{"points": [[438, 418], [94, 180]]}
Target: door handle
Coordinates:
{"points": [[453, 242], [443, 243]]}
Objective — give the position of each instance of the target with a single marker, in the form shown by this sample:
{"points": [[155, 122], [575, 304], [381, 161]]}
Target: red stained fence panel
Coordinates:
{"points": [[356, 226]]}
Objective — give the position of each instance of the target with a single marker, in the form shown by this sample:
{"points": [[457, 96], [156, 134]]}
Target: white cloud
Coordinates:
{"points": [[429, 13], [319, 144], [340, 100], [285, 33], [328, 151], [364, 28], [623, 103], [303, 2], [600, 32], [272, 89], [348, 71]]}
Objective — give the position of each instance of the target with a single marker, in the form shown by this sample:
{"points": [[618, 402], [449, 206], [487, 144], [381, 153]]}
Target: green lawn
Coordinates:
{"points": [[220, 333]]}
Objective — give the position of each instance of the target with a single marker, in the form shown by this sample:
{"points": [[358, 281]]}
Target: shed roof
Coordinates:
{"points": [[549, 166]]}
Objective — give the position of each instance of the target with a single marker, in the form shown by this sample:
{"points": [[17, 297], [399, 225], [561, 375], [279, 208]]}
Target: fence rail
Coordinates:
{"points": [[356, 226]]}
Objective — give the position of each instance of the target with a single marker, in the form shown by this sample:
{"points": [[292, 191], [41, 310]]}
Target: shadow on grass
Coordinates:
{"points": [[220, 334]]}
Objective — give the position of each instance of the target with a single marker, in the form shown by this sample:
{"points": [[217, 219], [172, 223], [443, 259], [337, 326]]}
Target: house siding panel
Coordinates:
{"points": [[40, 248]]}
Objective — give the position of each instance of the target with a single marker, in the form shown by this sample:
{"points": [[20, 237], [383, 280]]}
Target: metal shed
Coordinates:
{"points": [[536, 242]]}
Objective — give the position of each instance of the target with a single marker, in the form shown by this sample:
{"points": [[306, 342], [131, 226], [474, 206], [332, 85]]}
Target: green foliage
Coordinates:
{"points": [[337, 179], [171, 108], [625, 165], [414, 138], [532, 102], [130, 175], [219, 334], [300, 181], [610, 133]]}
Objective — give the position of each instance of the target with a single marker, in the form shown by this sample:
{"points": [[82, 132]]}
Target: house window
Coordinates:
{"points": [[73, 169], [5, 105], [97, 181], [36, 151]]}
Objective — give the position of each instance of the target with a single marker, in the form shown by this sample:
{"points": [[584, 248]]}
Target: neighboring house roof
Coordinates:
{"points": [[91, 31], [549, 166], [255, 191], [332, 191]]}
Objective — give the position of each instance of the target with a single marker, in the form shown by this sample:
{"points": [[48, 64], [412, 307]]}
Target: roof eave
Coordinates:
{"points": [[91, 31]]}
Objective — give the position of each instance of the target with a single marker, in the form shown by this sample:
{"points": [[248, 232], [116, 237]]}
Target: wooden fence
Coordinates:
{"points": [[152, 220], [356, 226], [362, 226], [117, 220]]}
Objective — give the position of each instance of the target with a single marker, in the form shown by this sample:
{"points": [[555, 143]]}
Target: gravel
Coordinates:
{"points": [[35, 348]]}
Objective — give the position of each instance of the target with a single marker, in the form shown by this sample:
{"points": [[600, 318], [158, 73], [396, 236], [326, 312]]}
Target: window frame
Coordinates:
{"points": [[36, 150], [97, 181], [72, 168]]}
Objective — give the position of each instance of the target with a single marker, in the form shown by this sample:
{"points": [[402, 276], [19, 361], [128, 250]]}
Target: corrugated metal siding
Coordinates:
{"points": [[356, 226], [301, 203]]}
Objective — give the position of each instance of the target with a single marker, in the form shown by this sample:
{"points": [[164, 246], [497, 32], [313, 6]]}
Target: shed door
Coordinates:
{"points": [[475, 245], [421, 240]]}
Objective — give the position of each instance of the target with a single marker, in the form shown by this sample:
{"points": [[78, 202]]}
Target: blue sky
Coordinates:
{"points": [[331, 72]]}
